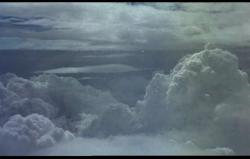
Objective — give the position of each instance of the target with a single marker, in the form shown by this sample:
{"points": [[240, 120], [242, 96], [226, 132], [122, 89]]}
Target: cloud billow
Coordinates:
{"points": [[204, 94], [20, 135], [197, 105]]}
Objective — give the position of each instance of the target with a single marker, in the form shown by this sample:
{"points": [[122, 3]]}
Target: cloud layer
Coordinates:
{"points": [[123, 26], [131, 145]]}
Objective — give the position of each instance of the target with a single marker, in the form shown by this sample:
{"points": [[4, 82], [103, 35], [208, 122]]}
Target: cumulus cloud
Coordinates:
{"points": [[52, 101], [65, 101], [134, 90], [202, 106], [52, 96], [26, 106], [118, 119], [204, 94], [20, 135]]}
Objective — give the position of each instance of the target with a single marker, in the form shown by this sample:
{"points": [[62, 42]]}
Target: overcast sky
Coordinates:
{"points": [[123, 26]]}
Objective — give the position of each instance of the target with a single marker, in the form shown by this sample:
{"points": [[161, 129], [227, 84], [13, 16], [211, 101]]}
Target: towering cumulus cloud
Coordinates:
{"points": [[201, 107], [206, 96]]}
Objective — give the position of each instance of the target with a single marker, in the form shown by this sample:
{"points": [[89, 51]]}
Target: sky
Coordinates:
{"points": [[123, 26], [124, 78]]}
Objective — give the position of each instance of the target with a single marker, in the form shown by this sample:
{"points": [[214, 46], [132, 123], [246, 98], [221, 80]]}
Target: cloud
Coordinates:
{"points": [[50, 101], [53, 89], [204, 94], [136, 88], [26, 106], [131, 145], [52, 96], [70, 105], [108, 68], [200, 107], [117, 119], [23, 134], [165, 26], [17, 23]]}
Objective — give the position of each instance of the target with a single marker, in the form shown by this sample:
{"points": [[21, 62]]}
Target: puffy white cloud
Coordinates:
{"points": [[70, 105], [205, 78], [26, 106], [6, 77], [204, 94], [23, 134], [152, 110], [117, 119], [62, 99], [59, 101], [65, 93]]}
